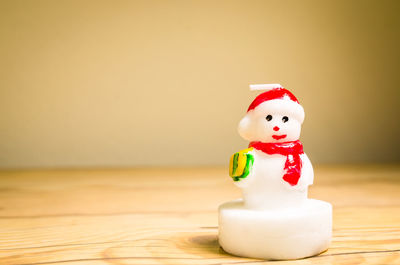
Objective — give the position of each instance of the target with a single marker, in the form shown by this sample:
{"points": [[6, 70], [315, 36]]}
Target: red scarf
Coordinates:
{"points": [[292, 151]]}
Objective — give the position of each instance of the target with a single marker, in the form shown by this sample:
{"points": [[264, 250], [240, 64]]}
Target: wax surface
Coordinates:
{"points": [[275, 235]]}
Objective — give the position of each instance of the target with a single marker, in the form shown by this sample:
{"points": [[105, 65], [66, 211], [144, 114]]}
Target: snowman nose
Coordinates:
{"points": [[276, 128]]}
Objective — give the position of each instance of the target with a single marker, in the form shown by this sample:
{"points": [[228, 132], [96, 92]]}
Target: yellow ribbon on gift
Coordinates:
{"points": [[237, 162]]}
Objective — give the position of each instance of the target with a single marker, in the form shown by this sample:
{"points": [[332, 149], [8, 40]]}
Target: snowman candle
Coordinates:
{"points": [[275, 219]]}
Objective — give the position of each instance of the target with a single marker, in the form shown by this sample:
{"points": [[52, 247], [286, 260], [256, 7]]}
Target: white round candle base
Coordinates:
{"points": [[290, 233]]}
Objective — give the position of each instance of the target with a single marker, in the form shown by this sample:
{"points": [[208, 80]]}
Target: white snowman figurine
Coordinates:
{"points": [[275, 219]]}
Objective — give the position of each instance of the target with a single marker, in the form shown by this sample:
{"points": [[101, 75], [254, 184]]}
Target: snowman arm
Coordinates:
{"points": [[307, 171], [306, 177]]}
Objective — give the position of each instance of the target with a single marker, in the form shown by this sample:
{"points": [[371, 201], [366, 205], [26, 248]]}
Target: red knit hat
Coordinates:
{"points": [[277, 99]]}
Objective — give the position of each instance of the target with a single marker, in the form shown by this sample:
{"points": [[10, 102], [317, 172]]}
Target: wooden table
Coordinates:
{"points": [[169, 216]]}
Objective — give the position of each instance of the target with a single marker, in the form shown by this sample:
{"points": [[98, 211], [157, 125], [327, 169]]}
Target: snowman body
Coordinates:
{"points": [[265, 188], [274, 220]]}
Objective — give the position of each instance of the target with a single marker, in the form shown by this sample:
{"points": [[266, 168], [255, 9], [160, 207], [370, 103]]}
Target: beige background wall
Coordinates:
{"points": [[134, 83]]}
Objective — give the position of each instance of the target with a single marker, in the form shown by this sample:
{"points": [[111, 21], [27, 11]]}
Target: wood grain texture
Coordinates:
{"points": [[169, 216]]}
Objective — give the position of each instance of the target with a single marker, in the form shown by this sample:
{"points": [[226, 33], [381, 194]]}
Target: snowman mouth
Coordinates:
{"points": [[278, 137]]}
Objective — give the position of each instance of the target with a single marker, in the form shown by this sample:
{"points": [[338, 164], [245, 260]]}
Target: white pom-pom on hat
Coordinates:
{"points": [[264, 86]]}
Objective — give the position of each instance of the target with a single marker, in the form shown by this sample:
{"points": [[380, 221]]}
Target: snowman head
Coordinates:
{"points": [[274, 116]]}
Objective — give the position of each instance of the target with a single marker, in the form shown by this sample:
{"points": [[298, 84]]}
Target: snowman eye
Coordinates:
{"points": [[268, 118], [285, 119]]}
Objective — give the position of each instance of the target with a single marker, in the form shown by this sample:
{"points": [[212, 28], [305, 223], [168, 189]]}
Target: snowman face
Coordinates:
{"points": [[276, 128], [270, 126]]}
